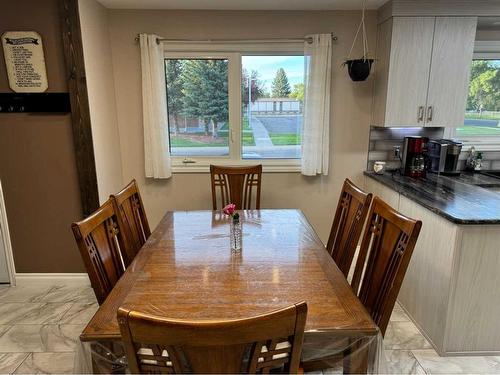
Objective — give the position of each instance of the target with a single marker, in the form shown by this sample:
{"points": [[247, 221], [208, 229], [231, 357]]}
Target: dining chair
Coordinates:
{"points": [[235, 185], [251, 345], [99, 241], [132, 220], [347, 226], [385, 253]]}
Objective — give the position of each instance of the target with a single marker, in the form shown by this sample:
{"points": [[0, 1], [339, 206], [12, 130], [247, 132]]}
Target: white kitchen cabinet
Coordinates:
{"points": [[452, 52], [422, 71], [404, 48]]}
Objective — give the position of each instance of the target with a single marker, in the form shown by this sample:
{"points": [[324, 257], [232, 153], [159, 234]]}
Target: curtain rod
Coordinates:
{"points": [[265, 40]]}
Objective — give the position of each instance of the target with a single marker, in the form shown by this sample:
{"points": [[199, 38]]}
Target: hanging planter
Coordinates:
{"points": [[359, 69]]}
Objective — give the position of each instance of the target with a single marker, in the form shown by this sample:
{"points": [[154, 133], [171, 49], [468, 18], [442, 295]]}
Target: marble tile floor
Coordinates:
{"points": [[408, 352], [40, 325]]}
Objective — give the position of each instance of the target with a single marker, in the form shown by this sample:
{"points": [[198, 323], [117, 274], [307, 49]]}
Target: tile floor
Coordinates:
{"points": [[39, 326], [408, 352]]}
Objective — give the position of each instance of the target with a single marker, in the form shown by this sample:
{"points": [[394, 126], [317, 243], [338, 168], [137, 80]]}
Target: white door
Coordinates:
{"points": [[450, 68], [4, 241], [4, 272], [410, 60]]}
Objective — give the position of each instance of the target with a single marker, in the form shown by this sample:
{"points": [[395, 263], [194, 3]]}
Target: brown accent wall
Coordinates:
{"points": [[37, 162]]}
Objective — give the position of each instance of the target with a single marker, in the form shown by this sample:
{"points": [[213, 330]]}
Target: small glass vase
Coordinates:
{"points": [[235, 236]]}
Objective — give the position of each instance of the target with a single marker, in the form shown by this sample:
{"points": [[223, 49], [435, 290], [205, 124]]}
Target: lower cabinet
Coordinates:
{"points": [[426, 286], [390, 196], [450, 289]]}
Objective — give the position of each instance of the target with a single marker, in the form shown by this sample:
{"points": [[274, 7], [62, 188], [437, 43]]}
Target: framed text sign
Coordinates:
{"points": [[25, 61]]}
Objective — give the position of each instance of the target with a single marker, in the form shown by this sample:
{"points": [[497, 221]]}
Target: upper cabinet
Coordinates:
{"points": [[422, 71]]}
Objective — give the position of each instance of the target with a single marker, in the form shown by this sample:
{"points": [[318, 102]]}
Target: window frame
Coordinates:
{"points": [[483, 50], [233, 53]]}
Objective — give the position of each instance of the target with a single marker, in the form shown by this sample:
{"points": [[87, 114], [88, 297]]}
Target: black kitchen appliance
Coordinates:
{"points": [[413, 162], [442, 155]]}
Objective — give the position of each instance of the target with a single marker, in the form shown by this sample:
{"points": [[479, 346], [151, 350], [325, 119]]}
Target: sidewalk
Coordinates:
{"points": [[260, 134]]}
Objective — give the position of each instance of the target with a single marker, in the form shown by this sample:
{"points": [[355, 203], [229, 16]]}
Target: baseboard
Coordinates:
{"points": [[66, 278]]}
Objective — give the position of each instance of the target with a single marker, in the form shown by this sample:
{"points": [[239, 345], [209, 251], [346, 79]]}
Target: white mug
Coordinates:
{"points": [[378, 167]]}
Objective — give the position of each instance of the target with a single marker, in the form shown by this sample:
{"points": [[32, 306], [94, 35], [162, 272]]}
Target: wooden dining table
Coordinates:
{"points": [[186, 270]]}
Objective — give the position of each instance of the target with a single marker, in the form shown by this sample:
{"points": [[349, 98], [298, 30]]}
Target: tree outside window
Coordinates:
{"points": [[482, 116]]}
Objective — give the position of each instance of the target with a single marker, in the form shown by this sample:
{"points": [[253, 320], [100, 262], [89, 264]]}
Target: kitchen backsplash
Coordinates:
{"points": [[383, 141]]}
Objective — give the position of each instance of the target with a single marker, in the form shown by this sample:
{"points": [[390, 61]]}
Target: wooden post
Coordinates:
{"points": [[80, 112]]}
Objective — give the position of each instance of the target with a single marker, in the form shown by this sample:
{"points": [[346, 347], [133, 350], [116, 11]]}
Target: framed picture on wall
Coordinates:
{"points": [[25, 61]]}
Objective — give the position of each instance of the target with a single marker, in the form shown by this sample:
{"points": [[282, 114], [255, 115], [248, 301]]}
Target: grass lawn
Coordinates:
{"points": [[248, 139], [179, 141], [483, 116], [477, 131], [191, 141], [246, 125], [285, 139]]}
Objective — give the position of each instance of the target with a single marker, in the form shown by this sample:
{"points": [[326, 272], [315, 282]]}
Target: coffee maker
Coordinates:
{"points": [[443, 156], [413, 161]]}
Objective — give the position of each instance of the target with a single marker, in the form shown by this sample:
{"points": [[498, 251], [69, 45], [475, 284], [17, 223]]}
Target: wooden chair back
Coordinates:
{"points": [[347, 226], [235, 185], [100, 240], [132, 220], [254, 345], [385, 253]]}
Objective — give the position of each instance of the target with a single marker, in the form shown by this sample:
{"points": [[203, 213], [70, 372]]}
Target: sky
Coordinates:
{"points": [[268, 65]]}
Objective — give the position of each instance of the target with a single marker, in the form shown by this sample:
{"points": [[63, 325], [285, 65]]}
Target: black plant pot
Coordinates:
{"points": [[359, 69]]}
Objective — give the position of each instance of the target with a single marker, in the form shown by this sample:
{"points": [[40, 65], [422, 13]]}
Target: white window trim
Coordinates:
{"points": [[233, 53], [490, 50]]}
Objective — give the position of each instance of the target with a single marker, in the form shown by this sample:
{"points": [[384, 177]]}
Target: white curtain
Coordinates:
{"points": [[154, 109], [316, 135]]}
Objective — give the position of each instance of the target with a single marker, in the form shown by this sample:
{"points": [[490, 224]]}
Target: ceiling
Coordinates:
{"points": [[241, 4]]}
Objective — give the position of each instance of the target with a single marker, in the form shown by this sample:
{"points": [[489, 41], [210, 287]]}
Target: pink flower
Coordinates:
{"points": [[229, 209]]}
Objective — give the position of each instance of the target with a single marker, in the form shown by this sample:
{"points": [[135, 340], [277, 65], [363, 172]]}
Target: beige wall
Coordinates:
{"points": [[101, 90], [37, 158], [316, 196]]}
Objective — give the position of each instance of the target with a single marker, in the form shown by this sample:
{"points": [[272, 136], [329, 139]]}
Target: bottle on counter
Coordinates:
{"points": [[478, 162], [471, 158]]}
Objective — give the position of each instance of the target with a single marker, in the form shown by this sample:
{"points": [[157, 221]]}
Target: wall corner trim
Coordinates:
{"points": [[74, 279]]}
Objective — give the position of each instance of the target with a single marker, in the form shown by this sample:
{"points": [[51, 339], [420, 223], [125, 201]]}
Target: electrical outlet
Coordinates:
{"points": [[396, 152]]}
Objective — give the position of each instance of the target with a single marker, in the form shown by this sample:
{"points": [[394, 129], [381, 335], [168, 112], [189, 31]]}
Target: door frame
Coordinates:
{"points": [[9, 256]]}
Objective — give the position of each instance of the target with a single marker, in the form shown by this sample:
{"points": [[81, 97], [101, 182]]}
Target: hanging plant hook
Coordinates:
{"points": [[359, 69]]}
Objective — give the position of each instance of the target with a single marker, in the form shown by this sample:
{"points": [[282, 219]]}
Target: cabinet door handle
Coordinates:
{"points": [[420, 115], [429, 113]]}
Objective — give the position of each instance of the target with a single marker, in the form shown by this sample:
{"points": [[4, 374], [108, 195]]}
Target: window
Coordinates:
{"points": [[272, 122], [235, 107], [198, 109], [482, 117]]}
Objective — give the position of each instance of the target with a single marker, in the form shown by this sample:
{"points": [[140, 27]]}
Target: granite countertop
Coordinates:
{"points": [[460, 199]]}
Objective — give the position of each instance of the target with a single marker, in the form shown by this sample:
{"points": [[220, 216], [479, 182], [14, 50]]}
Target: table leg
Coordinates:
{"points": [[108, 358], [356, 358]]}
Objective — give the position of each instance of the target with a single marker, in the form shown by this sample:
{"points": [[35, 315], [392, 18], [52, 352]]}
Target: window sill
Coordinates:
{"points": [[481, 145]]}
